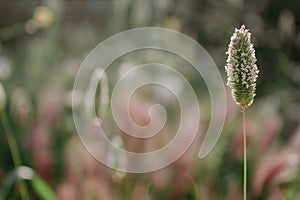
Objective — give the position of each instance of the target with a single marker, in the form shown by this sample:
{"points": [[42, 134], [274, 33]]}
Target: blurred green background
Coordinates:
{"points": [[42, 44]]}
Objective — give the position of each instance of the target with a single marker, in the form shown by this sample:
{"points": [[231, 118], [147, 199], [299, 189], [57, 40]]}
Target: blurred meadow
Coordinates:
{"points": [[43, 43]]}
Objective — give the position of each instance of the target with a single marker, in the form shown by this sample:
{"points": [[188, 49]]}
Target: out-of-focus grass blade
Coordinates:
{"points": [[42, 188], [8, 185], [23, 173]]}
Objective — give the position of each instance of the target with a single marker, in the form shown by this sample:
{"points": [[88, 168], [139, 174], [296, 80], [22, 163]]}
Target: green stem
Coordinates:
{"points": [[245, 153], [15, 153], [12, 144]]}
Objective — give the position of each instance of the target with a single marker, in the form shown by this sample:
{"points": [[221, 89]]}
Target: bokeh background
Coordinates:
{"points": [[42, 44]]}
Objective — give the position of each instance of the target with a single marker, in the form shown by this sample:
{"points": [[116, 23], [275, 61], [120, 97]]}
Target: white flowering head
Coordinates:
{"points": [[241, 67]]}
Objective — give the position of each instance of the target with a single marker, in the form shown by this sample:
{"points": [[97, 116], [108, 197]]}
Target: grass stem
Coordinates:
{"points": [[15, 153], [245, 153]]}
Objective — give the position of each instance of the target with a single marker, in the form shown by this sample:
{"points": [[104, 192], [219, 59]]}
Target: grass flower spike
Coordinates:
{"points": [[241, 67], [242, 73]]}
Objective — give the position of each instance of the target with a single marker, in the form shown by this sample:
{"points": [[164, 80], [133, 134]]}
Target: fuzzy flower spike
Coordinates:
{"points": [[241, 67]]}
